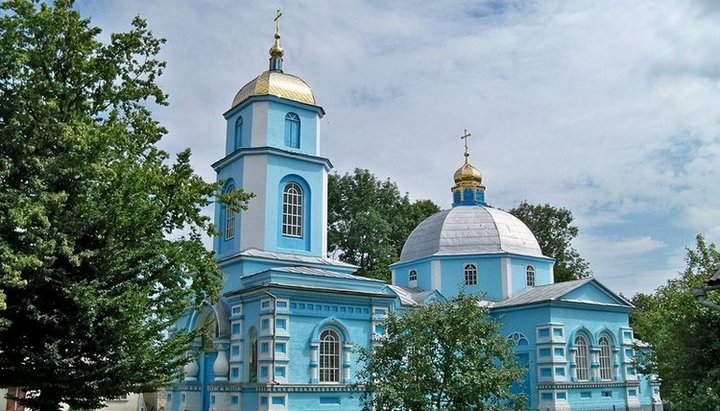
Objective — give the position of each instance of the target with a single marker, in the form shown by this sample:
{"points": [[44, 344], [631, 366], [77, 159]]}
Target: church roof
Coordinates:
{"points": [[556, 292], [409, 296], [306, 259], [323, 273], [472, 229]]}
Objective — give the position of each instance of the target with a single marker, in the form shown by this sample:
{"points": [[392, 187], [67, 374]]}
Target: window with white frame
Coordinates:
{"points": [[470, 274], [605, 359], [581, 358], [329, 356], [229, 218], [292, 210], [292, 130], [530, 274], [412, 275]]}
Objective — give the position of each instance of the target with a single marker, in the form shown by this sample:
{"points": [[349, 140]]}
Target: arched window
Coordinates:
{"points": [[292, 130], [530, 273], [412, 275], [470, 274], [581, 358], [329, 356], [229, 219], [238, 132], [519, 339], [292, 210], [605, 366]]}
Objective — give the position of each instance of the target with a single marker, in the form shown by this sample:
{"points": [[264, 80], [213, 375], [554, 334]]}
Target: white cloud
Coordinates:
{"points": [[587, 105]]}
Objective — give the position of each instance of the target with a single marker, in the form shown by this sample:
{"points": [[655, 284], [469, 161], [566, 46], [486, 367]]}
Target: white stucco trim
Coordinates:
{"points": [[506, 270], [435, 274], [252, 228], [260, 118]]}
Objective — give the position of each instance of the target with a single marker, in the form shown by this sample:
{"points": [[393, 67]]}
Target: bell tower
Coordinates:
{"points": [[272, 150]]}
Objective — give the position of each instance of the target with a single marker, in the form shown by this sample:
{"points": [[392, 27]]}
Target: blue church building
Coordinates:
{"points": [[283, 336]]}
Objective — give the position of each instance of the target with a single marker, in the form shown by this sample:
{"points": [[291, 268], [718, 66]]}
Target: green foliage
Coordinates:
{"points": [[100, 235], [369, 221], [441, 356], [554, 231], [684, 336]]}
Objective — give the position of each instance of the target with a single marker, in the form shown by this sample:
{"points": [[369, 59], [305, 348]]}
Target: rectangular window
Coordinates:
{"points": [[544, 352], [561, 396], [281, 304], [546, 372], [236, 329], [629, 352], [264, 372], [558, 332], [607, 394], [234, 400], [234, 372], [237, 310], [544, 332], [546, 396], [263, 400], [627, 335], [264, 347], [265, 324], [632, 393], [585, 394], [631, 371], [235, 351], [278, 400], [212, 399], [560, 371], [379, 329], [280, 372], [169, 397], [280, 348], [281, 323], [560, 352], [265, 304], [330, 400]]}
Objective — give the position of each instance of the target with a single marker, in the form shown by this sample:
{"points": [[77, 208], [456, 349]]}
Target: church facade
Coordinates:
{"points": [[283, 336]]}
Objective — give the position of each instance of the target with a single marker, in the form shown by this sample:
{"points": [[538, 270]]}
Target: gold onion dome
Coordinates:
{"points": [[274, 82], [467, 175], [276, 50]]}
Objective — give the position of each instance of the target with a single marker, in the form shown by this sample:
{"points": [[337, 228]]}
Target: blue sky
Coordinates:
{"points": [[611, 109]]}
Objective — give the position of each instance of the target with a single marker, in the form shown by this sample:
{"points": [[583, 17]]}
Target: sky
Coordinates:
{"points": [[610, 109]]}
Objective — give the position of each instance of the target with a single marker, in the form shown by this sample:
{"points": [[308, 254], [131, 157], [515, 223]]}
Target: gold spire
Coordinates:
{"points": [[276, 51]]}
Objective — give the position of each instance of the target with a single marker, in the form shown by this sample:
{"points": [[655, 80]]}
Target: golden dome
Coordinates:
{"points": [[276, 50], [467, 174], [276, 83]]}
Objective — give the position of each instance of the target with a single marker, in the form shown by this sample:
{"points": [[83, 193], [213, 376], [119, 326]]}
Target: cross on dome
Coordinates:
{"points": [[276, 51]]}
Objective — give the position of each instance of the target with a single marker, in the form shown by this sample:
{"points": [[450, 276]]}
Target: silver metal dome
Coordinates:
{"points": [[470, 230]]}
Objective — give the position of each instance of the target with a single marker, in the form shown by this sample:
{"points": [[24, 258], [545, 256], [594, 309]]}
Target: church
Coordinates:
{"points": [[283, 336]]}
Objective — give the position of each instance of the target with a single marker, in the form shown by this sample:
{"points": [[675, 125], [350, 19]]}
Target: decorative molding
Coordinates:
{"points": [[585, 385]]}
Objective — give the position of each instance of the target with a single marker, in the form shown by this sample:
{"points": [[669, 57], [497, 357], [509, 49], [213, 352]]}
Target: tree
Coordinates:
{"points": [[552, 226], [441, 356], [684, 336], [369, 221], [100, 234]]}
